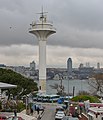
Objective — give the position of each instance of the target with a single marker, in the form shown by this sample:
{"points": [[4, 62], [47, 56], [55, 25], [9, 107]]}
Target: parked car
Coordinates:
{"points": [[35, 98], [59, 115], [70, 118], [59, 108], [39, 99], [2, 117]]}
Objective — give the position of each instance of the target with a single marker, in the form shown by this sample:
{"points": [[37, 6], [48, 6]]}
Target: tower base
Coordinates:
{"points": [[42, 86]]}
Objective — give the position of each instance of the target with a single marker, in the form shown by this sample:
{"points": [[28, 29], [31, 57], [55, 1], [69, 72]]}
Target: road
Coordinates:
{"points": [[49, 113]]}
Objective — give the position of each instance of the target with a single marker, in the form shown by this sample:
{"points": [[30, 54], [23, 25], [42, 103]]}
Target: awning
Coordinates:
{"points": [[6, 85], [91, 114]]}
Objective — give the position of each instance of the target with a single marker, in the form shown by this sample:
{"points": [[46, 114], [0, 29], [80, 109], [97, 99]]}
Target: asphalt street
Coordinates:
{"points": [[49, 113]]}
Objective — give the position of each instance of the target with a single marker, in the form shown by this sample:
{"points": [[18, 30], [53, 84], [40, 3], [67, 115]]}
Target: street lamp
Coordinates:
{"points": [[68, 88], [61, 84]]}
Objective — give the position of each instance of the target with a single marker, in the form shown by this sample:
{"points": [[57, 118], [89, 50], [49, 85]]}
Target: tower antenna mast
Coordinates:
{"points": [[42, 16]]}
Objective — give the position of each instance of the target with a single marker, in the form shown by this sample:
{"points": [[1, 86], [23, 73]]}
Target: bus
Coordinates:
{"points": [[47, 98], [53, 98]]}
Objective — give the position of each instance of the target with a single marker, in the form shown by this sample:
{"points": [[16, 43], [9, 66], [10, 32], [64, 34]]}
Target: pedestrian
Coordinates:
{"points": [[15, 112], [34, 107], [38, 109], [31, 110]]}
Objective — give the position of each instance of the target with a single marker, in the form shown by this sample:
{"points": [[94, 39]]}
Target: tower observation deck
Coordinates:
{"points": [[42, 29]]}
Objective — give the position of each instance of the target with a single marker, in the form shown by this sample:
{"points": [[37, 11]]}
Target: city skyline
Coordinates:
{"points": [[33, 63], [79, 32]]}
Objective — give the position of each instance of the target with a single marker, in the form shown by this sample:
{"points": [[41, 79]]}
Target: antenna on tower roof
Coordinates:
{"points": [[42, 17], [42, 13]]}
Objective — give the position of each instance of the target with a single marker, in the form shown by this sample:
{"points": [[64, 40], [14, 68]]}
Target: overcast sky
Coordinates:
{"points": [[79, 35]]}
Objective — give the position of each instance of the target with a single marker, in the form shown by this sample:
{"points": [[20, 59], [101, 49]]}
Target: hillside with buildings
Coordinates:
{"points": [[83, 71]]}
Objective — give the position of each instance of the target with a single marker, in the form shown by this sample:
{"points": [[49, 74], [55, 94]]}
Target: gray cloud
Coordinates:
{"points": [[56, 55], [79, 23]]}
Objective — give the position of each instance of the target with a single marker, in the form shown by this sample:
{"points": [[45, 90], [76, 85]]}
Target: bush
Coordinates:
{"points": [[83, 93], [82, 98], [20, 106]]}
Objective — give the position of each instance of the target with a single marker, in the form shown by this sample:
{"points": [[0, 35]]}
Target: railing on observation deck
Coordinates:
{"points": [[44, 25]]}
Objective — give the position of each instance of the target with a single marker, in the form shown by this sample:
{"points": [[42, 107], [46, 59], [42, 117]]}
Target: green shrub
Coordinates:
{"points": [[82, 98], [20, 106]]}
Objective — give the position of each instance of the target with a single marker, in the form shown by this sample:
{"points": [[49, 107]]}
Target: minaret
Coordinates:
{"points": [[42, 29]]}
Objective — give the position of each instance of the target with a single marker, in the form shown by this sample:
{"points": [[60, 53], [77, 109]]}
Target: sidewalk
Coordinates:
{"points": [[33, 116], [27, 117]]}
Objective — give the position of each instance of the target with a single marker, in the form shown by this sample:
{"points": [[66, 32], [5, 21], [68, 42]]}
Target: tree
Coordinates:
{"points": [[97, 84], [24, 85], [59, 88]]}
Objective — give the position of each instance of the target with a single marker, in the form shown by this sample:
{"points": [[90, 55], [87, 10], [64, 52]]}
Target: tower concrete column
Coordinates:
{"points": [[42, 66]]}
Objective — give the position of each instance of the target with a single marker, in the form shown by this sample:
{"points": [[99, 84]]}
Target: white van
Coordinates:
{"points": [[95, 113], [70, 118]]}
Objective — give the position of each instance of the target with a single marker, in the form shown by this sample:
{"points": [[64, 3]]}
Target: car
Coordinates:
{"points": [[39, 99], [70, 118], [14, 118], [3, 117], [35, 98], [59, 108], [59, 115]]}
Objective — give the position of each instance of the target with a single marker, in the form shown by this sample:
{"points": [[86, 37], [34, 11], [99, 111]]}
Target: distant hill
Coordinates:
{"points": [[24, 85]]}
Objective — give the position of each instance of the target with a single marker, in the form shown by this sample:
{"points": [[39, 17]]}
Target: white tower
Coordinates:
{"points": [[42, 29]]}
